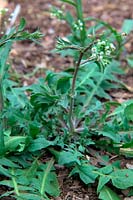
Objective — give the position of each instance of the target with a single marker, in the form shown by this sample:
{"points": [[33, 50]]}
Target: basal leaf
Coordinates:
{"points": [[102, 181], [4, 171], [86, 173], [67, 157], [49, 183], [8, 163], [115, 137], [129, 112], [122, 178], [130, 61], [39, 143], [52, 185], [15, 143], [107, 194]]}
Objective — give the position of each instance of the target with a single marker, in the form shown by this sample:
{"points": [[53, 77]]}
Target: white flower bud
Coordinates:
{"points": [[94, 49], [108, 53], [112, 46]]}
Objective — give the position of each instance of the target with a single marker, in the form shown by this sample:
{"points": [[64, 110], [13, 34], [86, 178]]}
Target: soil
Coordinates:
{"points": [[32, 59]]}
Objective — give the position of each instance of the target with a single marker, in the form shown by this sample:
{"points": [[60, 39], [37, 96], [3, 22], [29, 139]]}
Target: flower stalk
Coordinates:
{"points": [[72, 95]]}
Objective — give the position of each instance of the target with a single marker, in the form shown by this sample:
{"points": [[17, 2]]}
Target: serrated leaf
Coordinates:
{"points": [[107, 194]]}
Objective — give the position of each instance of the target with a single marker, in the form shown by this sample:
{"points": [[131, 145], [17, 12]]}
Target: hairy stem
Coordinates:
{"points": [[72, 95]]}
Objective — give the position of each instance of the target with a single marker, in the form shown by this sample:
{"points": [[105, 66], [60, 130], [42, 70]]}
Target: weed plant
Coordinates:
{"points": [[67, 114]]}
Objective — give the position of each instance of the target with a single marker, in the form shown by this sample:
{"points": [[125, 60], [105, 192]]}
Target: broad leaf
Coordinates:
{"points": [[86, 173], [102, 181], [129, 112], [127, 26], [39, 143], [107, 194], [122, 178], [66, 157]]}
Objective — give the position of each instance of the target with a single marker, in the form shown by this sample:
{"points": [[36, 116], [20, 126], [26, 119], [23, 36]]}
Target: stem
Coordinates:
{"points": [[79, 10], [73, 88]]}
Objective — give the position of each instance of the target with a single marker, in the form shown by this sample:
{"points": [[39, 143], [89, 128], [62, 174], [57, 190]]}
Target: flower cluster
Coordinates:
{"points": [[62, 43], [55, 12], [3, 11], [102, 51], [78, 25]]}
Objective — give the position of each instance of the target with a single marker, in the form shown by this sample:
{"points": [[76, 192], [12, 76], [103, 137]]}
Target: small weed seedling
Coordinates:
{"points": [[67, 114]]}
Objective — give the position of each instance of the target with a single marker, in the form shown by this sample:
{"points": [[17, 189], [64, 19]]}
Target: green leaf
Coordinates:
{"points": [[69, 2], [15, 143], [49, 181], [130, 61], [67, 157], [127, 26], [22, 24], [102, 181], [107, 194], [122, 178], [28, 196], [8, 163], [4, 171], [52, 185], [128, 152], [32, 170], [39, 143], [86, 173], [63, 84], [129, 112], [104, 176], [4, 53], [115, 137]]}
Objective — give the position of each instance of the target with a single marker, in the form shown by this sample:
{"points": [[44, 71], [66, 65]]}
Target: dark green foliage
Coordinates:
{"points": [[66, 115]]}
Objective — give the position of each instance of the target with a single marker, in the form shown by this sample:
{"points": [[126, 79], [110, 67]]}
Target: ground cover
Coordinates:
{"points": [[39, 58]]}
